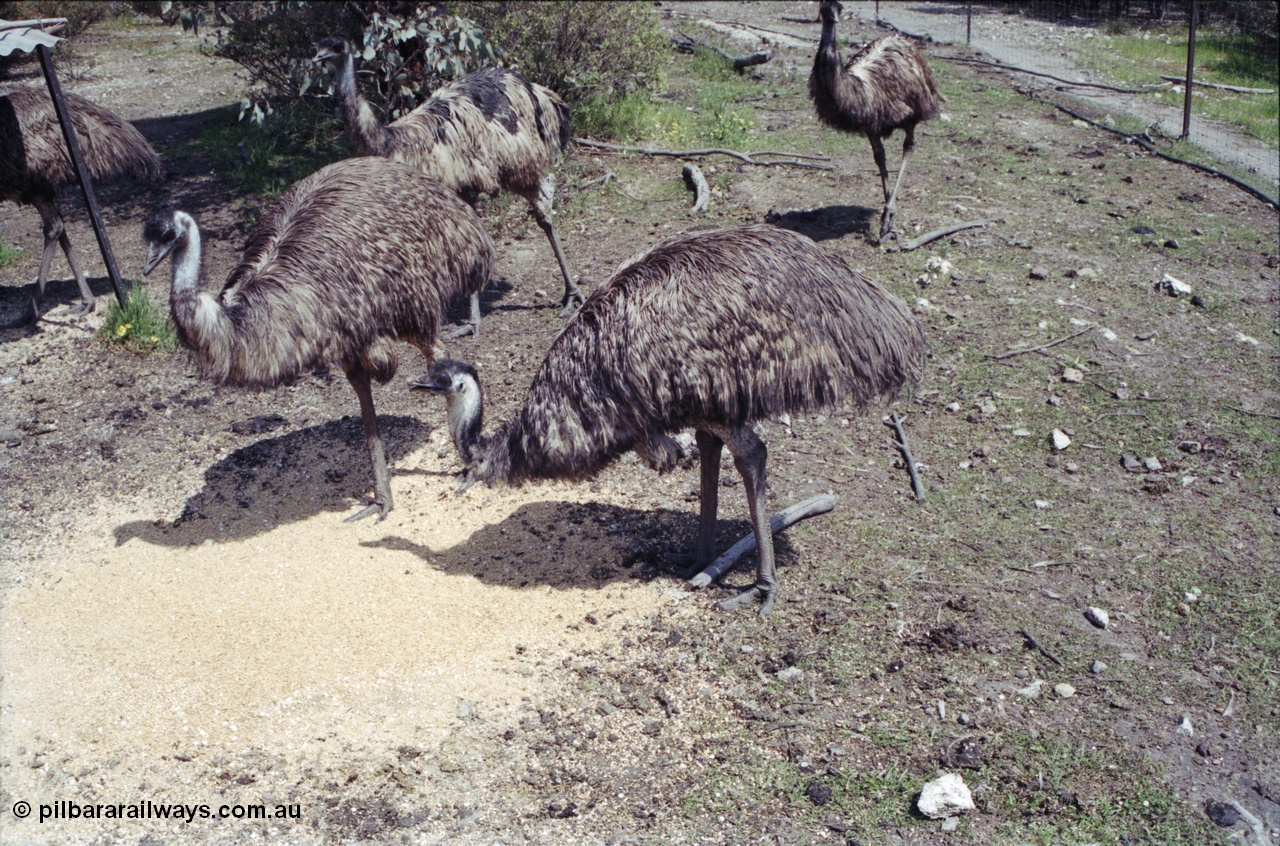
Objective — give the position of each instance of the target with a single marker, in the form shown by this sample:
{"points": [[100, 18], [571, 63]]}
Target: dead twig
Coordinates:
{"points": [[686, 44], [942, 233], [1259, 830], [1254, 413], [1012, 353], [811, 507], [701, 193], [1036, 645], [745, 158], [1150, 148], [1235, 88], [1072, 82], [894, 423], [608, 177]]}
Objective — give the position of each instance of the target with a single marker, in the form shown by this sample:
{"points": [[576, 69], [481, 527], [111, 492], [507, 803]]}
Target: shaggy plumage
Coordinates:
{"points": [[887, 85], [489, 131], [35, 165], [774, 324], [347, 261]]}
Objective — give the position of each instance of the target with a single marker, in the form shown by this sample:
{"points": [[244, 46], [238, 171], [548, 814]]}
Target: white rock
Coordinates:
{"points": [[1108, 334], [1060, 440], [923, 306], [1072, 374], [1242, 338], [950, 823], [1097, 616], [953, 406], [1041, 503], [938, 265], [1064, 690], [1152, 464], [790, 674], [1171, 286], [1184, 727], [944, 797], [1032, 691], [942, 709], [1021, 433], [1097, 668]]}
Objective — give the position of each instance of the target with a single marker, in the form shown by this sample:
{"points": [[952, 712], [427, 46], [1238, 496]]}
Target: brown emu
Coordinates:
{"points": [[35, 165], [489, 131], [709, 331], [887, 85], [361, 253]]}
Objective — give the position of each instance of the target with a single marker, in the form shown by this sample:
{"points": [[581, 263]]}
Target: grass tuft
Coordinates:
{"points": [[138, 325]]}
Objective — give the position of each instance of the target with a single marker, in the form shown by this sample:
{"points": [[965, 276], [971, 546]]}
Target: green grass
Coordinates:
{"points": [[137, 325], [1140, 57], [8, 254]]}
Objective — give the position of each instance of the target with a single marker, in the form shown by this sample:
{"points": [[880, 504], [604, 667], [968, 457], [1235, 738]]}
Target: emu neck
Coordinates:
{"points": [[465, 419], [367, 134], [186, 262], [828, 41]]}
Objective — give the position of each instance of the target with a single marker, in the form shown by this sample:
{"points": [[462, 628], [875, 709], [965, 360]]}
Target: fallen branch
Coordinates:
{"points": [[811, 507], [1234, 88], [1149, 147], [966, 60], [745, 158], [1255, 413], [1012, 353], [608, 177], [1035, 644], [701, 193], [740, 63], [942, 233], [1259, 830], [789, 19], [894, 423]]}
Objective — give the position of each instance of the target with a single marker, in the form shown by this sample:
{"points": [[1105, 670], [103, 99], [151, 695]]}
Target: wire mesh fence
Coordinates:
{"points": [[1131, 58]]}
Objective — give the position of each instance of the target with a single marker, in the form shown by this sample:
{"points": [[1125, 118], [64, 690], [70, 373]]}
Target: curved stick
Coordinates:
{"points": [[812, 507], [894, 423], [942, 233]]}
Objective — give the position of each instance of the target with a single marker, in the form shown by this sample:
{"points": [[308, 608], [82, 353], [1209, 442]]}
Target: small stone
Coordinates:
{"points": [[1142, 230], [964, 719], [1171, 244], [1087, 273], [986, 406], [1097, 617], [944, 797], [1120, 393], [1038, 272], [1222, 813], [1198, 301], [818, 793], [1031, 691], [1204, 749], [923, 306], [1097, 668], [1040, 503], [1021, 433], [1152, 464], [1072, 374], [1131, 463], [1064, 690], [1184, 726], [950, 823], [1059, 440], [1072, 467], [1190, 447], [1184, 609], [1172, 286], [942, 709], [1054, 399], [790, 674], [953, 406]]}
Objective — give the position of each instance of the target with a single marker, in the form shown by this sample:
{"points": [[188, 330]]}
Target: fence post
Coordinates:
{"points": [[1191, 65], [968, 22]]}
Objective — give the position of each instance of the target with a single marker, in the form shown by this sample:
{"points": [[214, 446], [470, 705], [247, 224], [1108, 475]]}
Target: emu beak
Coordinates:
{"points": [[156, 254], [424, 383]]}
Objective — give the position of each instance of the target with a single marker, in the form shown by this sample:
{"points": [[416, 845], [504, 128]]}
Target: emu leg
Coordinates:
{"points": [[704, 550], [472, 328], [541, 208], [749, 456], [891, 203], [877, 150], [86, 296], [359, 379]]}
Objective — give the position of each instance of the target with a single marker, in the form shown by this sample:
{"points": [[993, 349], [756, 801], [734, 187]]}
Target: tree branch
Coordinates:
{"points": [[701, 193], [1012, 353], [1234, 88], [811, 507], [942, 233], [894, 423], [966, 60], [686, 44], [745, 158]]}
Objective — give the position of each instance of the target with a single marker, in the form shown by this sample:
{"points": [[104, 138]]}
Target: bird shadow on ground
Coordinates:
{"points": [[281, 480], [827, 223], [571, 545], [59, 296]]}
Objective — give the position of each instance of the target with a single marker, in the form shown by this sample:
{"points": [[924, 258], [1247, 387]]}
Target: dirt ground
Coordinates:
{"points": [[187, 620]]}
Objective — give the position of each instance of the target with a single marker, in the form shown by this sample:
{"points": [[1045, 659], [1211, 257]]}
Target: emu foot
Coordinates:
{"points": [[573, 300], [80, 309], [375, 507], [766, 596], [461, 332], [886, 223]]}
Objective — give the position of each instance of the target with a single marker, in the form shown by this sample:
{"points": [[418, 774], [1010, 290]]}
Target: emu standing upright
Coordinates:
{"points": [[361, 253], [769, 323], [887, 85], [489, 131], [35, 165]]}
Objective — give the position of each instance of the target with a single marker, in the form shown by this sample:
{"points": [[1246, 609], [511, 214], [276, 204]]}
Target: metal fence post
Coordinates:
{"points": [[1191, 66]]}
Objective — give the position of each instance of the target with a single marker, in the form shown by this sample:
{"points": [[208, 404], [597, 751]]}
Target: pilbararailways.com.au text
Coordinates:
{"points": [[148, 810]]}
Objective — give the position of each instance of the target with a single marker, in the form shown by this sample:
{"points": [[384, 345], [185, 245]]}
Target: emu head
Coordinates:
{"points": [[165, 229], [830, 10], [459, 384], [334, 49]]}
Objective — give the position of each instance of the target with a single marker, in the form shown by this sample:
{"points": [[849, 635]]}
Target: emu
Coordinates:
{"points": [[489, 131], [35, 166], [361, 253], [887, 85], [770, 323]]}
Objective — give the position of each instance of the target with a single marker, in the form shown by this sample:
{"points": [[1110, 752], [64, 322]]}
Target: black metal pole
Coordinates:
{"points": [[1191, 66], [86, 185]]}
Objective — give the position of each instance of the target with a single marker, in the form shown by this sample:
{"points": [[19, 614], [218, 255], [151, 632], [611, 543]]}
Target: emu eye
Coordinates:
{"points": [[168, 235]]}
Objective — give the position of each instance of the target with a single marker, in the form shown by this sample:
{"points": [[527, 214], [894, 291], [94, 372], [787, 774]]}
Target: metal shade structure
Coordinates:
{"points": [[36, 36]]}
